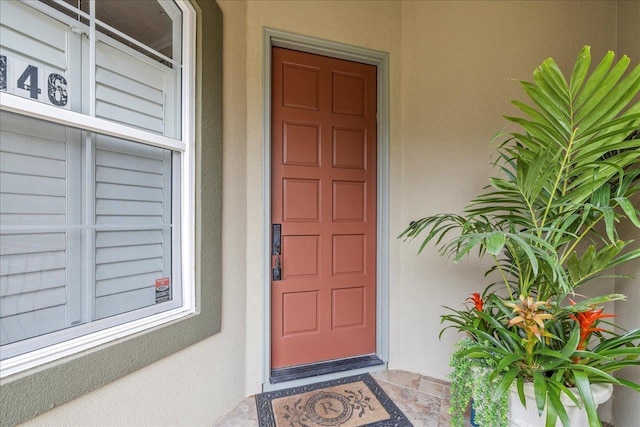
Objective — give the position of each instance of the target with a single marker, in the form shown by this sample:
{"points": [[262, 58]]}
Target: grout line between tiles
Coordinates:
{"points": [[407, 388]]}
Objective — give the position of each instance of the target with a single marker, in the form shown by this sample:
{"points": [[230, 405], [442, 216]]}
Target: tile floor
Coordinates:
{"points": [[425, 401]]}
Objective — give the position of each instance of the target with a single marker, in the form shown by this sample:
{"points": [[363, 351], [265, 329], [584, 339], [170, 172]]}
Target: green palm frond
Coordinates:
{"points": [[563, 180]]}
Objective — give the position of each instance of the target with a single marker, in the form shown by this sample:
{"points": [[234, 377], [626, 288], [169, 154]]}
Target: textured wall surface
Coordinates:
{"points": [[626, 402]]}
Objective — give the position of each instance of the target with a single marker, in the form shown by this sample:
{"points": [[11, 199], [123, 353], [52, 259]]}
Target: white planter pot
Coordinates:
{"points": [[528, 417]]}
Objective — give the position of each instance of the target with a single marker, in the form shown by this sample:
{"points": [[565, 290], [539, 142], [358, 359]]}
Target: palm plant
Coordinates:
{"points": [[549, 221]]}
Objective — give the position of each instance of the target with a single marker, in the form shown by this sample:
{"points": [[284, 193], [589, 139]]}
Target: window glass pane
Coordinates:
{"points": [[45, 56], [146, 21], [75, 4], [133, 225], [150, 22], [34, 211], [133, 90], [36, 51], [85, 232]]}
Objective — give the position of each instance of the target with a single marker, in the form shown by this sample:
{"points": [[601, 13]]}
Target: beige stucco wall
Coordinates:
{"points": [[626, 403], [451, 71]]}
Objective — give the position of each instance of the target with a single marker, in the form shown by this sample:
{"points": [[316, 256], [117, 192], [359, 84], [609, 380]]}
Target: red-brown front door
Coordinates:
{"points": [[324, 195]]}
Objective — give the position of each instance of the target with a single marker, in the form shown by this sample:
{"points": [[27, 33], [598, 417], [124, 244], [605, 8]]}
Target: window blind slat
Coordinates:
{"points": [[130, 221], [34, 24], [11, 183], [111, 255], [128, 100], [125, 284], [132, 267], [127, 238], [130, 90], [144, 91], [127, 161], [32, 301], [21, 125], [118, 62], [126, 207], [123, 302], [33, 266], [36, 322], [8, 220], [123, 115], [20, 44], [32, 165], [27, 203], [17, 143], [29, 263], [115, 176], [13, 244], [130, 192], [31, 282]]}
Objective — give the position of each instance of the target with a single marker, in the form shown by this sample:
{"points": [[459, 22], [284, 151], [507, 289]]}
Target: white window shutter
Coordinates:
{"points": [[31, 36], [33, 197], [132, 193], [131, 89], [39, 167]]}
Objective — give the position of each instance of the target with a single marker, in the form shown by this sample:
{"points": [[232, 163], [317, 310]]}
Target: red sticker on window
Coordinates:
{"points": [[163, 289]]}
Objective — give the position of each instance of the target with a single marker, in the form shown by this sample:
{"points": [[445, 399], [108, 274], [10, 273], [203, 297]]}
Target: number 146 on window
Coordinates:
{"points": [[34, 82]]}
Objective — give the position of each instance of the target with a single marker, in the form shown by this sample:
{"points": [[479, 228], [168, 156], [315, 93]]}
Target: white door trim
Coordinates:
{"points": [[271, 38]]}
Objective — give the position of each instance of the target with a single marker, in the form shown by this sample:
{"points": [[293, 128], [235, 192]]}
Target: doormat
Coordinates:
{"points": [[346, 402]]}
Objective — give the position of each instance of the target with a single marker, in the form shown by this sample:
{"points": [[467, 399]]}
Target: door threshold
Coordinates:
{"points": [[291, 373]]}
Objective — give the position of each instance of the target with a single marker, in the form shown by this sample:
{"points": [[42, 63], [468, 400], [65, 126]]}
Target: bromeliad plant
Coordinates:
{"points": [[549, 221], [555, 348]]}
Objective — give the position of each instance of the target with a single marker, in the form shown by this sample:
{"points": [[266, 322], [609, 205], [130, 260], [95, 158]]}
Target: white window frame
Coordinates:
{"points": [[185, 146]]}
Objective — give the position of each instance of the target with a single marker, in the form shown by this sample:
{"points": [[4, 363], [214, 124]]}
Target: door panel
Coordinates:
{"points": [[324, 195]]}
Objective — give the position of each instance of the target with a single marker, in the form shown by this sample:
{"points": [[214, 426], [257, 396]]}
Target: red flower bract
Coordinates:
{"points": [[476, 299], [587, 320]]}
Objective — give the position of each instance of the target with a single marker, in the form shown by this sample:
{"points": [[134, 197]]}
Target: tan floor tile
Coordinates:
{"points": [[245, 414], [433, 388], [403, 378], [420, 408], [435, 380]]}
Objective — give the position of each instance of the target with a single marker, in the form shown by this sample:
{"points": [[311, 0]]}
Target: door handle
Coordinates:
{"points": [[276, 231], [276, 245]]}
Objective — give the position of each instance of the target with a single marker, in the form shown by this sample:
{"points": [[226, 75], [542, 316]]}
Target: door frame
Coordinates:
{"points": [[277, 38]]}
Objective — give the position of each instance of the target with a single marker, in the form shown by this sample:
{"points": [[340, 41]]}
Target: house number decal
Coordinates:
{"points": [[34, 82]]}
